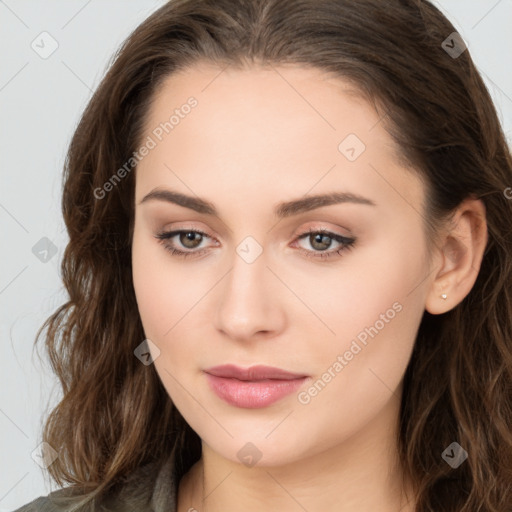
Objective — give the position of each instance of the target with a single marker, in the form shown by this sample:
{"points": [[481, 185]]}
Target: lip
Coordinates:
{"points": [[258, 372], [251, 388]]}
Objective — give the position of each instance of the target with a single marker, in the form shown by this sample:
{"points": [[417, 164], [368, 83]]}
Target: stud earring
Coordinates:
{"points": [[444, 296]]}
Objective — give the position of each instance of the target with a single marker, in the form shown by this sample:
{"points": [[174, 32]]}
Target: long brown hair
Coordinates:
{"points": [[115, 414]]}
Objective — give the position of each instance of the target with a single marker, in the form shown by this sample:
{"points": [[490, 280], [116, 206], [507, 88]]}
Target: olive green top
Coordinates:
{"points": [[149, 489]]}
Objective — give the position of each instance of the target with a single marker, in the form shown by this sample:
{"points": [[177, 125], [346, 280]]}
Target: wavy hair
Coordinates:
{"points": [[115, 415]]}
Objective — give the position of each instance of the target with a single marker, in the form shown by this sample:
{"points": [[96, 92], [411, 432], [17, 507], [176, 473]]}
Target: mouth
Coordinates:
{"points": [[254, 387]]}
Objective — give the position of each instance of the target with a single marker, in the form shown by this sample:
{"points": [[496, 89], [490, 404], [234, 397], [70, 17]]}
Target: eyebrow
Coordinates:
{"points": [[282, 210]]}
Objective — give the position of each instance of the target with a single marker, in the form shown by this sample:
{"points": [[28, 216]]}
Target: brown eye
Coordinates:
{"points": [[175, 241], [320, 242], [190, 239]]}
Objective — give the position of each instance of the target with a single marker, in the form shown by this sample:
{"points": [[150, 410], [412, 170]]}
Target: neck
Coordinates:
{"points": [[358, 475]]}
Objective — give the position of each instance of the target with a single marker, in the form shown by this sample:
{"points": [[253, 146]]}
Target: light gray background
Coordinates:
{"points": [[41, 101]]}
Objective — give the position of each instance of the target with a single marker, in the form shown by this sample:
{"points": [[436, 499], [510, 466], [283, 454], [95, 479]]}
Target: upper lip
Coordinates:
{"points": [[258, 372]]}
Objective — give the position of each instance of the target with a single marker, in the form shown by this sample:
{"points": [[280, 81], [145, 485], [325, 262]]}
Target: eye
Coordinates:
{"points": [[191, 239], [188, 238], [321, 239]]}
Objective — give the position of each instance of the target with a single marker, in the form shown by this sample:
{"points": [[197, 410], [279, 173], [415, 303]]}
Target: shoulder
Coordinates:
{"points": [[152, 488], [128, 498], [39, 504], [46, 503], [64, 501]]}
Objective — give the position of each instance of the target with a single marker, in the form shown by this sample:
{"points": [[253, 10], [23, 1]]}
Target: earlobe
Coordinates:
{"points": [[437, 304], [460, 258]]}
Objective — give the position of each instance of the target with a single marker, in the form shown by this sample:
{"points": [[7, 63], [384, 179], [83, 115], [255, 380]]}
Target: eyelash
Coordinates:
{"points": [[347, 243]]}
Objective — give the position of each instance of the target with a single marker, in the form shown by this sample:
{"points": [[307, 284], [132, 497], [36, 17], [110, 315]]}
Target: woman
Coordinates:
{"points": [[289, 268]]}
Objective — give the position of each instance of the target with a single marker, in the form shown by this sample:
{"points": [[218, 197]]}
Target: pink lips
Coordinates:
{"points": [[254, 387]]}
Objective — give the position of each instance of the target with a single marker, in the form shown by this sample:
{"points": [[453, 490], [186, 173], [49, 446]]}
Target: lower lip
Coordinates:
{"points": [[252, 394]]}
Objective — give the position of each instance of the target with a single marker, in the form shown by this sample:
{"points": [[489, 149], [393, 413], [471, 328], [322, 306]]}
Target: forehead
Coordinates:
{"points": [[279, 128], [256, 97]]}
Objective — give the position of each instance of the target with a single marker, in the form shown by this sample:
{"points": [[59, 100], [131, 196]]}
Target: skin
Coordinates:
{"points": [[260, 136]]}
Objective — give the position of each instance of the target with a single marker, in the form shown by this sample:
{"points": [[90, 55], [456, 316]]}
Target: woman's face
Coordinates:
{"points": [[258, 146]]}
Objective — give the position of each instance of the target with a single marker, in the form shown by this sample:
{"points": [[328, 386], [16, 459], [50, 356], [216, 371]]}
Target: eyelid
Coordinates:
{"points": [[314, 227], [166, 233], [331, 234]]}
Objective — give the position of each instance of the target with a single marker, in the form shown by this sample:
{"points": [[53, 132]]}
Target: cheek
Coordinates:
{"points": [[164, 292], [372, 280], [375, 310], [149, 295]]}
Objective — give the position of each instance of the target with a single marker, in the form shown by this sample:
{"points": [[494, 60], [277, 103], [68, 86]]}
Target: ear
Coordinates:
{"points": [[458, 258]]}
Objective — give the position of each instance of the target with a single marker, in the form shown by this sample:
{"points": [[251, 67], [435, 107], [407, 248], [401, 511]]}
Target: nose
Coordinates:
{"points": [[249, 306]]}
